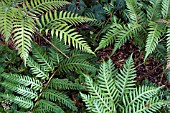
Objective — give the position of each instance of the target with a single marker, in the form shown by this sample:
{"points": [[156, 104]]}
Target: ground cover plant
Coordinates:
{"points": [[74, 56]]}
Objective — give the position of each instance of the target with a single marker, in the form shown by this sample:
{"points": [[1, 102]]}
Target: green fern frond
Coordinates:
{"points": [[48, 106], [153, 37], [63, 30], [21, 101], [37, 7], [24, 91], [110, 36], [150, 106], [140, 94], [165, 9], [125, 34], [64, 84], [125, 80], [6, 20], [72, 64], [42, 58], [154, 10], [23, 30], [60, 97], [106, 82], [23, 80], [96, 92], [135, 13], [36, 69]]}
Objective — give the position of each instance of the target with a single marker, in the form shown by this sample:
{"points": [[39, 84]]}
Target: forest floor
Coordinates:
{"points": [[151, 70]]}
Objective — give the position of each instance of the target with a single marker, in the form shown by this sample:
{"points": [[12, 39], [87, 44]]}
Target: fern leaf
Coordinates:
{"points": [[96, 92], [24, 80], [23, 30], [154, 10], [165, 9], [21, 101], [24, 91], [110, 36], [125, 81], [142, 93], [36, 69], [73, 64], [6, 20], [64, 84], [49, 106], [152, 105], [153, 37], [135, 13], [125, 34], [37, 7], [60, 97], [42, 58], [106, 81]]}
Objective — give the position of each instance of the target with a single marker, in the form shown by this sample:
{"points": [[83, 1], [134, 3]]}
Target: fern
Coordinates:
{"points": [[64, 84], [126, 34], [63, 30], [37, 7], [47, 106], [60, 97], [23, 30], [153, 37], [24, 16], [165, 9], [135, 13], [111, 93]]}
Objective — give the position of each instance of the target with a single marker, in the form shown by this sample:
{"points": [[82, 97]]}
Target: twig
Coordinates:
{"points": [[53, 45]]}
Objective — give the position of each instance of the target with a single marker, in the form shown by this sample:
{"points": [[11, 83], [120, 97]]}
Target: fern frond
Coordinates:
{"points": [[42, 58], [63, 30], [135, 13], [6, 20], [165, 9], [64, 84], [23, 31], [72, 64], [125, 80], [24, 91], [49, 106], [36, 69], [21, 101], [24, 80], [125, 34], [153, 37], [110, 36], [106, 82], [96, 92], [152, 105], [154, 10], [37, 7], [140, 94], [53, 95]]}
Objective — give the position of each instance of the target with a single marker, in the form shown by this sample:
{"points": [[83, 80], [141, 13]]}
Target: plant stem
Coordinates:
{"points": [[53, 45]]}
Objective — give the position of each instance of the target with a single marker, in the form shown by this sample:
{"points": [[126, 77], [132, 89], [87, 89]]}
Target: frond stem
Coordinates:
{"points": [[53, 45]]}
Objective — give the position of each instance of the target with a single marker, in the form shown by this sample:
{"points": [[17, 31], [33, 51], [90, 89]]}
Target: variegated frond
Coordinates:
{"points": [[23, 30], [37, 7]]}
